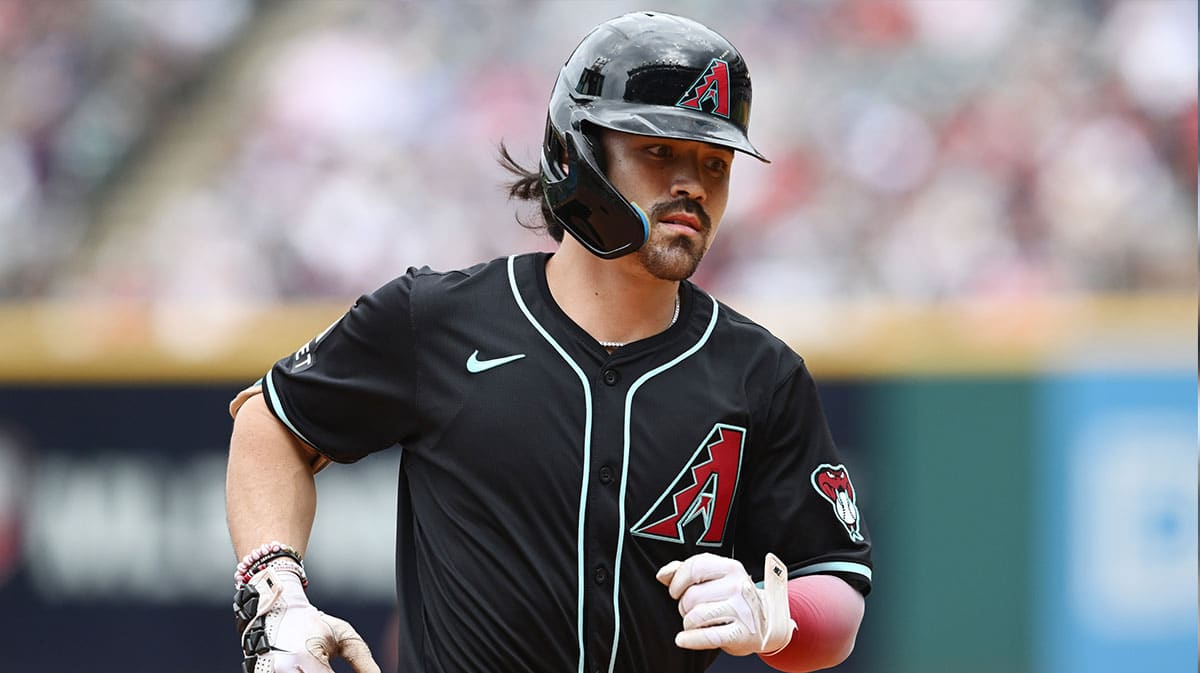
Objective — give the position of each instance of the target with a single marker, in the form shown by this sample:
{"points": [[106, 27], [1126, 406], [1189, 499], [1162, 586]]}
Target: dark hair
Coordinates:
{"points": [[528, 187]]}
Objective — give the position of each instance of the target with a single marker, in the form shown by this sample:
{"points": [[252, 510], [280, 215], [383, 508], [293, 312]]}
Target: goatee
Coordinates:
{"points": [[670, 256]]}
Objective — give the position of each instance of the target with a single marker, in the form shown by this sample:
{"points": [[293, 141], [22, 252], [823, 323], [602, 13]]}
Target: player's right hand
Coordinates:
{"points": [[283, 633], [722, 608]]}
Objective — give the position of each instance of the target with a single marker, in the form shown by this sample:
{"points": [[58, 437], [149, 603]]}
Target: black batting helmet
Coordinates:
{"points": [[646, 73]]}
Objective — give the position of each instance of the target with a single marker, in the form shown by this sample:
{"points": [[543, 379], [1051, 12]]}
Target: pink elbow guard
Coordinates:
{"points": [[827, 612]]}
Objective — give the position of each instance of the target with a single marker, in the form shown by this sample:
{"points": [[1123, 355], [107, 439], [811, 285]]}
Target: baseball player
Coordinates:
{"points": [[603, 468]]}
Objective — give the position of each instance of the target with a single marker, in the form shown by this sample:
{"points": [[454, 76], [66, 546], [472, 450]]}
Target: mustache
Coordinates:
{"points": [[681, 204]]}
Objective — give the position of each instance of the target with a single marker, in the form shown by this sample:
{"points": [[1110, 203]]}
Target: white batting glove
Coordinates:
{"points": [[722, 608], [284, 633]]}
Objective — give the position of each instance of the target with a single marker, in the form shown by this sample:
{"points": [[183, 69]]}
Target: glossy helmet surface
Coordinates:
{"points": [[646, 73]]}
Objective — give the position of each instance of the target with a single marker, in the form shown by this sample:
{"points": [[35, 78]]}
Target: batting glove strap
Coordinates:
{"points": [[282, 632], [778, 625]]}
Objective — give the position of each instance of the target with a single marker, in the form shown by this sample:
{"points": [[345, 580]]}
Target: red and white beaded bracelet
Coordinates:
{"points": [[259, 558]]}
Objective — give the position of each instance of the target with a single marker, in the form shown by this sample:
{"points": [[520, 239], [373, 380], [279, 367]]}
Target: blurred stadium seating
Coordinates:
{"points": [[172, 151]]}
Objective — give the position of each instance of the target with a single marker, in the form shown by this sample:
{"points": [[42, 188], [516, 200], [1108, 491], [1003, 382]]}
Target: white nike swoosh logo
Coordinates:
{"points": [[475, 365]]}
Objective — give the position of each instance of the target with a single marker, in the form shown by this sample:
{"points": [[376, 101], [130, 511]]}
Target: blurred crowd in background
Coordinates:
{"points": [[83, 85], [243, 150]]}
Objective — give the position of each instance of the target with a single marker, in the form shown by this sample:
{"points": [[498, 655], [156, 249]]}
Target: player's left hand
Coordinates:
{"points": [[722, 608], [283, 633]]}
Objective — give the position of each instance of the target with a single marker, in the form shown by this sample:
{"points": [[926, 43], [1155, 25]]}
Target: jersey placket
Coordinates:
{"points": [[614, 399], [602, 516]]}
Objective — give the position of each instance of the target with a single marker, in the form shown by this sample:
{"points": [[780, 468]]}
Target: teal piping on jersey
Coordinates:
{"points": [[829, 567], [587, 448], [834, 567], [712, 323], [280, 413]]}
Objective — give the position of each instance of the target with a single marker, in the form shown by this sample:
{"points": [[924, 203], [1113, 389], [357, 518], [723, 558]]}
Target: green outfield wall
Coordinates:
{"points": [[953, 512]]}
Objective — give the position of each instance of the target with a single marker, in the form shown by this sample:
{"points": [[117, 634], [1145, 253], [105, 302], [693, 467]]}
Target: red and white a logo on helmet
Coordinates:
{"points": [[704, 490], [711, 89], [833, 483]]}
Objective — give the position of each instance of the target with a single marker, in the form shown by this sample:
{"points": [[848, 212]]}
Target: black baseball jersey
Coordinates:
{"points": [[544, 480]]}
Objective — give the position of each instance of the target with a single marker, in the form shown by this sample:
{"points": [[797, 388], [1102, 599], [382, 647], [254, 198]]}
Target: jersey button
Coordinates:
{"points": [[605, 475], [601, 575], [611, 377]]}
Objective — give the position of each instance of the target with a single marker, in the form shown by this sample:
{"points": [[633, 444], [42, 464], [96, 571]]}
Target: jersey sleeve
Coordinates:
{"points": [[799, 501], [351, 390]]}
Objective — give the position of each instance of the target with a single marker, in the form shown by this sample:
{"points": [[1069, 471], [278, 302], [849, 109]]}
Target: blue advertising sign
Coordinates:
{"points": [[1116, 517]]}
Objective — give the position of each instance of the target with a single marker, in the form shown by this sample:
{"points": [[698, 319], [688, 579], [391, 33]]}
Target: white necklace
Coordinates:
{"points": [[620, 344]]}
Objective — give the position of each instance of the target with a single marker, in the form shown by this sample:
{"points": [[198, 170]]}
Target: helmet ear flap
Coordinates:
{"points": [[586, 204], [554, 156], [557, 158], [591, 134]]}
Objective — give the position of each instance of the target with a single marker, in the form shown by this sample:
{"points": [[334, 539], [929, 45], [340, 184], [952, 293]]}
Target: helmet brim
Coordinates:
{"points": [[666, 122]]}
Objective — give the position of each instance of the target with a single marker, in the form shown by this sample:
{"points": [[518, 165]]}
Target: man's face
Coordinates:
{"points": [[683, 185]]}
